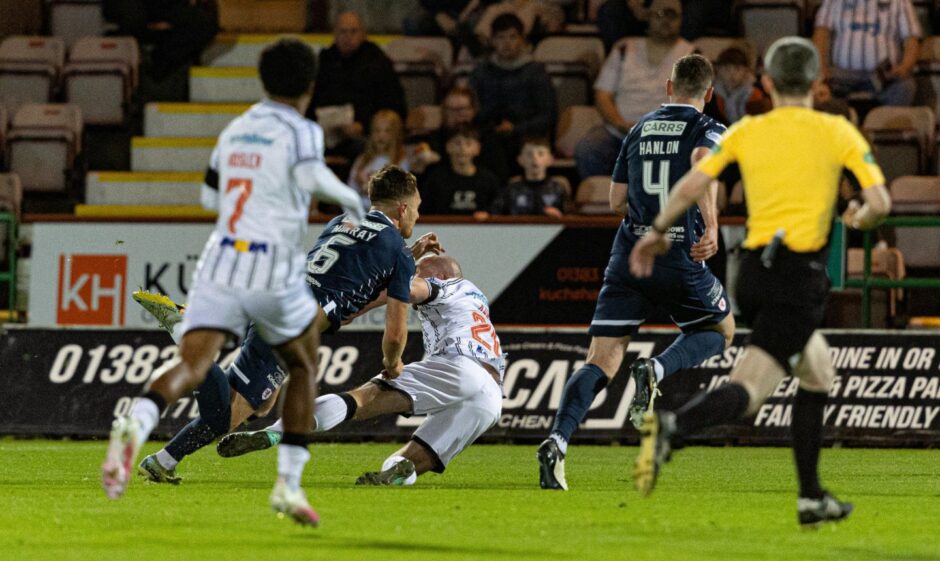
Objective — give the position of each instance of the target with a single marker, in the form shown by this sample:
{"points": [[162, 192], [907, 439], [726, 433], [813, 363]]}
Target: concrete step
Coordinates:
{"points": [[143, 211], [142, 188], [171, 153], [208, 84], [189, 119], [243, 49]]}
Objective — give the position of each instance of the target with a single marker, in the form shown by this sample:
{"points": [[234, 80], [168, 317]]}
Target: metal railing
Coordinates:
{"points": [[867, 283], [9, 275]]}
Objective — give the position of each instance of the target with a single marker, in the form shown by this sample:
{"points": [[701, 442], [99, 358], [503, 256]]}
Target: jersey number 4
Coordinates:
{"points": [[243, 186], [659, 187], [483, 328]]}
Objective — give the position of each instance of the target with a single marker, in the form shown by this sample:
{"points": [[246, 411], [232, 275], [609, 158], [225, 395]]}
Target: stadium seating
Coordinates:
{"points": [[142, 188], [593, 195], [231, 49], [424, 119], [927, 74], [917, 195], [29, 69], [765, 21], [902, 138], [101, 77], [171, 153], [886, 262], [573, 63], [573, 123], [224, 84], [11, 194], [44, 141], [189, 119], [421, 64], [71, 20]]}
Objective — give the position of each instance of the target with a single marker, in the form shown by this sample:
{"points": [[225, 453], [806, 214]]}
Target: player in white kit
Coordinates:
{"points": [[265, 168], [457, 384]]}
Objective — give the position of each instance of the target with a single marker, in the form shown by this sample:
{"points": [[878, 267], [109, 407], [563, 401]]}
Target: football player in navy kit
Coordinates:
{"points": [[659, 150]]}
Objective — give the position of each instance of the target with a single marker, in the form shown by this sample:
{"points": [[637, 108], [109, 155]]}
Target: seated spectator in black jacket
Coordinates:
{"points": [[178, 29], [460, 109], [535, 193], [460, 187], [516, 95], [354, 71], [452, 18]]}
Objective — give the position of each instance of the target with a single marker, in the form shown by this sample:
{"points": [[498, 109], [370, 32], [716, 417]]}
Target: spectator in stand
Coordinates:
{"points": [[178, 29], [630, 85], [355, 71], [535, 193], [538, 18], [460, 187], [735, 86], [869, 46], [455, 19], [617, 19], [516, 95], [460, 109]]}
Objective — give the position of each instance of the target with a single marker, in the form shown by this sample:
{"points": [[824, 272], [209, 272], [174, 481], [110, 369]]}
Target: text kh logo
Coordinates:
{"points": [[91, 289]]}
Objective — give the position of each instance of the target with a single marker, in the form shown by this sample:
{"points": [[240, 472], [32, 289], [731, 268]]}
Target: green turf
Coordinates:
{"points": [[712, 503]]}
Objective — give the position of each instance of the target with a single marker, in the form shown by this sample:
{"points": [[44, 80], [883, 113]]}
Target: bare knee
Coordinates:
{"points": [[726, 328], [815, 370], [607, 354]]}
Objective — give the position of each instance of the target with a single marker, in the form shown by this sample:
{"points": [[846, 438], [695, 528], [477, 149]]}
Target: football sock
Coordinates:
{"points": [[689, 350], [391, 461], [726, 404], [146, 411], [195, 435], [561, 442], [580, 391], [806, 429], [658, 370], [176, 333], [332, 409], [166, 460], [277, 427], [292, 456]]}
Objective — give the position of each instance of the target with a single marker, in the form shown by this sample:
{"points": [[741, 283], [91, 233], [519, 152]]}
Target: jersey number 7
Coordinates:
{"points": [[243, 186]]}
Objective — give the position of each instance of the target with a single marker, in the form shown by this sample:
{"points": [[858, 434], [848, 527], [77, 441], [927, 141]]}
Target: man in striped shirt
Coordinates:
{"points": [[869, 45]]}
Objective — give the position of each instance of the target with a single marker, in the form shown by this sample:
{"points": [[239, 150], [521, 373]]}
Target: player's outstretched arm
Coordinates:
{"points": [[396, 335], [314, 177], [427, 243], [707, 246]]}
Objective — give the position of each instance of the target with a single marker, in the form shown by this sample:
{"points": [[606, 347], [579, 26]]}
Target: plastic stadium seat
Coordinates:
{"points": [[902, 138], [711, 47], [421, 63], [573, 123], [29, 69], [765, 21], [44, 142], [573, 63], [101, 77], [593, 195], [11, 194], [424, 119], [73, 19], [886, 262], [917, 195]]}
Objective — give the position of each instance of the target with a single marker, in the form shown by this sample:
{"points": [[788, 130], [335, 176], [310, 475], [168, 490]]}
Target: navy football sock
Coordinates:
{"points": [[807, 429], [194, 436], [690, 350], [580, 391]]}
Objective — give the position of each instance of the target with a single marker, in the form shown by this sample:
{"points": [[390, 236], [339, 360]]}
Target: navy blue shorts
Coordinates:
{"points": [[256, 373], [692, 295]]}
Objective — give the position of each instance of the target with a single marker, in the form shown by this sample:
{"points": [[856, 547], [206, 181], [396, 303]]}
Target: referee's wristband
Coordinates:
{"points": [[661, 232]]}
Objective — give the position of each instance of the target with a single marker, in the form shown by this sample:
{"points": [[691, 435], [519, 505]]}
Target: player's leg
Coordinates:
{"points": [[619, 312], [816, 373]]}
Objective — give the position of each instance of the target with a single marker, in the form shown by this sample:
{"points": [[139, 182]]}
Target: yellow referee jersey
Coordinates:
{"points": [[791, 161]]}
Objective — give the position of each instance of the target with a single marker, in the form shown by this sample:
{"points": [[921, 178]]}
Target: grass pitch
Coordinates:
{"points": [[711, 503]]}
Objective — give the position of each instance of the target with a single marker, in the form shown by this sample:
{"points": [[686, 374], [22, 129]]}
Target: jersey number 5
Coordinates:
{"points": [[660, 187], [484, 327], [243, 186]]}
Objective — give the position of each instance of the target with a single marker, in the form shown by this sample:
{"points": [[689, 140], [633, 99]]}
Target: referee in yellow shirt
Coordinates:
{"points": [[791, 160]]}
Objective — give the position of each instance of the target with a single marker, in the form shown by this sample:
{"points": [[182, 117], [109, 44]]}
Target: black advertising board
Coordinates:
{"points": [[72, 382]]}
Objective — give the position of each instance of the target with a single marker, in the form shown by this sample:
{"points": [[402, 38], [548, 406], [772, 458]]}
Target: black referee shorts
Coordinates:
{"points": [[785, 304]]}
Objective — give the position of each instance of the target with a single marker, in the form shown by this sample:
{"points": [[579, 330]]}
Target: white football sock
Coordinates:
{"points": [[392, 460], [166, 460], [658, 370], [147, 415], [290, 464], [277, 427], [330, 410], [561, 442]]}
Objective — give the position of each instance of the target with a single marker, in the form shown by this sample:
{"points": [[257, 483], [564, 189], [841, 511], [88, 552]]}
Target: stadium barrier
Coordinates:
{"points": [[8, 272], [71, 382]]}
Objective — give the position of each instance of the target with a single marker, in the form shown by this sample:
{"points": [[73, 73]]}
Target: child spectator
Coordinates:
{"points": [[461, 187], [535, 193], [734, 83]]}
